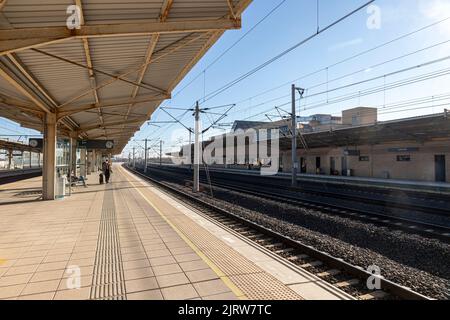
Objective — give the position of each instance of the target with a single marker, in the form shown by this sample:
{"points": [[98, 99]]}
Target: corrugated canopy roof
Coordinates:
{"points": [[105, 79]]}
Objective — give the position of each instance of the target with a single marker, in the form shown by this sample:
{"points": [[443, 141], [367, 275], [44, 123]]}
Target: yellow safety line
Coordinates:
{"points": [[2, 261], [211, 264]]}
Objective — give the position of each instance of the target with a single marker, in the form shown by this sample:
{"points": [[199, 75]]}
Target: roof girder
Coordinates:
{"points": [[70, 110], [108, 124], [12, 40], [162, 53]]}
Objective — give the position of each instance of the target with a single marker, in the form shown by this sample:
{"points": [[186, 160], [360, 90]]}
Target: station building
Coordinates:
{"points": [[357, 144], [415, 148]]}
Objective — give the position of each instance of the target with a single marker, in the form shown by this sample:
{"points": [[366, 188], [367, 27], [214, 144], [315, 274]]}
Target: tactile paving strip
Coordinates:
{"points": [[249, 278], [223, 255], [108, 281], [262, 286]]}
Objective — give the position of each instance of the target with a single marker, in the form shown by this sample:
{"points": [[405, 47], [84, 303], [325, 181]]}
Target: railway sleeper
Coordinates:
{"points": [[328, 273], [234, 225], [256, 236], [282, 251], [265, 242], [379, 294], [312, 264], [275, 245], [298, 257], [242, 230], [247, 233], [348, 283]]}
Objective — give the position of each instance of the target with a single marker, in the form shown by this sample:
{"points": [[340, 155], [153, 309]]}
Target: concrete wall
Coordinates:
{"points": [[382, 163], [359, 116]]}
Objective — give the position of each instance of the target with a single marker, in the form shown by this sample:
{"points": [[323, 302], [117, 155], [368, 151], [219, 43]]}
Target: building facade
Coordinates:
{"points": [[401, 160]]}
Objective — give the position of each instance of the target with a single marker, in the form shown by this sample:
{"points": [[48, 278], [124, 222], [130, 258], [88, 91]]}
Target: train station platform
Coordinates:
{"points": [[129, 240], [391, 184]]}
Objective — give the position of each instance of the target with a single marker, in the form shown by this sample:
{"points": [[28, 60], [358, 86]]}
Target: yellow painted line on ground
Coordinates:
{"points": [[211, 264], [2, 261]]}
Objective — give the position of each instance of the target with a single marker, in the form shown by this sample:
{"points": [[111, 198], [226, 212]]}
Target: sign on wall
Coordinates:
{"points": [[96, 144], [403, 149], [352, 153]]}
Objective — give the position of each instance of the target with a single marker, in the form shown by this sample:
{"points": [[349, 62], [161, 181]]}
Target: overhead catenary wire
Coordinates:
{"points": [[371, 67], [377, 47], [352, 57], [178, 121], [265, 17], [282, 54], [225, 114], [382, 76], [373, 90], [360, 93], [394, 105]]}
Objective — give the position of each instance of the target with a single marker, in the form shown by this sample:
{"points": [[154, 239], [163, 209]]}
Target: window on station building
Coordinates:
{"points": [[403, 158], [303, 168], [364, 158]]}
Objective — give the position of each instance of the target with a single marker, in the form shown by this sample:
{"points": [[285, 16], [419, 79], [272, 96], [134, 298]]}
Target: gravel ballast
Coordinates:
{"points": [[417, 262]]}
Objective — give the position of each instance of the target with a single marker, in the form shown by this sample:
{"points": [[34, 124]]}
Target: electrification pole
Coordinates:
{"points": [[295, 163], [160, 152], [197, 149], [145, 157], [294, 140], [190, 148], [134, 159]]}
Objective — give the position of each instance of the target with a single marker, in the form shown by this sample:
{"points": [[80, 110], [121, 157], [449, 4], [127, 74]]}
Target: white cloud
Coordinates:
{"points": [[346, 44], [437, 10]]}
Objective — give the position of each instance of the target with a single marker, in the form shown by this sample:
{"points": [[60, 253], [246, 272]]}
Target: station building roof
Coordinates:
{"points": [[104, 79], [418, 129], [244, 125]]}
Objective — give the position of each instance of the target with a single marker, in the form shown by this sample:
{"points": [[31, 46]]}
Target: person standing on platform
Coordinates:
{"points": [[107, 171], [102, 175]]}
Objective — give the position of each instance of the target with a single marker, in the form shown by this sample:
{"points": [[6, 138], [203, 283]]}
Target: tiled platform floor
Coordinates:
{"points": [[44, 244], [127, 240]]}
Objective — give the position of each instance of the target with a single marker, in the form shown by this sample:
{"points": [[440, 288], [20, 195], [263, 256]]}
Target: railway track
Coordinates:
{"points": [[393, 198], [397, 199], [398, 223], [343, 275], [18, 177]]}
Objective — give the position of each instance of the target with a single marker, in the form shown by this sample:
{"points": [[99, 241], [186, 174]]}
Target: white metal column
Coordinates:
{"points": [[83, 169], [49, 169]]}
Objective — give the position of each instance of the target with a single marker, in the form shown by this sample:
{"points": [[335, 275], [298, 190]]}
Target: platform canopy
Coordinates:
{"points": [[11, 145], [104, 79]]}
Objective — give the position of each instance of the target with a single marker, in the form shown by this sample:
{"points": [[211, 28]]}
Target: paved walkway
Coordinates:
{"points": [[118, 241], [118, 249]]}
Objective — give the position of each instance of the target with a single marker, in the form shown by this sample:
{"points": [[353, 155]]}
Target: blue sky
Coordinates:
{"points": [[291, 23], [296, 20]]}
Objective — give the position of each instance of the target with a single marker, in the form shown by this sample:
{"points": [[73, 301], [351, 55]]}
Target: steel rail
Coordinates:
{"points": [[386, 285], [408, 225]]}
